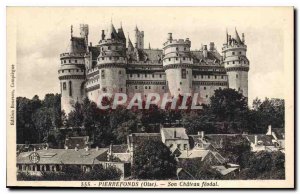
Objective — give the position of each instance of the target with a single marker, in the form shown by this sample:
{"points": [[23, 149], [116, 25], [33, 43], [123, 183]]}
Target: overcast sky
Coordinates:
{"points": [[44, 33]]}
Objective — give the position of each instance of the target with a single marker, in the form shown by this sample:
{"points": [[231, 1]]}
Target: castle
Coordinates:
{"points": [[113, 66]]}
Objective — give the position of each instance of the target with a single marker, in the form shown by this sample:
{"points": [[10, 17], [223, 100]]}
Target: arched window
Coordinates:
{"points": [[70, 88]]}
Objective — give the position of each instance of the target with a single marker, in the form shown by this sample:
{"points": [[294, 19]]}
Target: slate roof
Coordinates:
{"points": [[279, 132], [223, 170], [77, 45], [137, 138], [62, 156], [169, 133], [265, 139], [122, 148], [217, 140], [72, 142]]}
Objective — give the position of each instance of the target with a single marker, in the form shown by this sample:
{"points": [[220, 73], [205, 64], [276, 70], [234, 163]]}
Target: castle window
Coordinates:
{"points": [[130, 75], [109, 58], [206, 96], [195, 76], [233, 53], [152, 75], [160, 75], [183, 58], [70, 88], [61, 62], [169, 59], [215, 77], [103, 74], [102, 58], [75, 61], [69, 70], [240, 53], [149, 87], [177, 49], [178, 89], [146, 87], [108, 48], [69, 61], [163, 87], [184, 48], [180, 83], [64, 61], [204, 88], [138, 75], [227, 63], [176, 59], [77, 70], [201, 76], [145, 75], [120, 72], [183, 73], [237, 76], [82, 70], [136, 87], [62, 71], [220, 88], [121, 89], [209, 77], [233, 62], [222, 76], [104, 89]]}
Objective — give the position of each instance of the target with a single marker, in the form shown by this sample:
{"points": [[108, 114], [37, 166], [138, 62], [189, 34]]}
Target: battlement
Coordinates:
{"points": [[237, 46], [69, 55], [110, 41], [186, 42]]}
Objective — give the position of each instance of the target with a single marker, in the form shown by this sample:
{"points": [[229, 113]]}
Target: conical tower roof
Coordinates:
{"points": [[130, 45], [121, 33], [237, 37], [112, 33]]}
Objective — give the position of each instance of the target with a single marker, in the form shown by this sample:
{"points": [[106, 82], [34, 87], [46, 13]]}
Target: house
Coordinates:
{"points": [[175, 137], [54, 160]]}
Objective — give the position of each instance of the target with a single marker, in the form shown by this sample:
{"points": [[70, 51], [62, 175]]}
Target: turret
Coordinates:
{"points": [[72, 72], [177, 63], [139, 38], [236, 62], [111, 63]]}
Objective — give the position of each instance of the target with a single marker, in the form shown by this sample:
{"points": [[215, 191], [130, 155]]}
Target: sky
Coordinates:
{"points": [[44, 33]]}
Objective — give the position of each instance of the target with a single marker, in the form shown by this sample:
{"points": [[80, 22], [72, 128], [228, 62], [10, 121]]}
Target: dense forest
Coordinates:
{"points": [[40, 121]]}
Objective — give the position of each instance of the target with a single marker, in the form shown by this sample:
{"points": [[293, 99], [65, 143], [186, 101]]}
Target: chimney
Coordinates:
{"points": [[102, 35], [86, 148], [76, 147], [66, 147], [269, 130], [34, 149], [170, 37], [175, 133], [211, 46], [255, 140], [205, 51], [91, 44], [243, 37], [97, 148]]}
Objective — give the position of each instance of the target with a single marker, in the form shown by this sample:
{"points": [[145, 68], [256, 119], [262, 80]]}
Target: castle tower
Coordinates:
{"points": [[139, 38], [72, 72], [236, 62], [111, 62], [177, 63]]}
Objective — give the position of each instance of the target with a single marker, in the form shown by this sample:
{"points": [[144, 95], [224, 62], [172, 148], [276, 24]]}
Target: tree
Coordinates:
{"points": [[75, 118], [153, 160], [227, 104]]}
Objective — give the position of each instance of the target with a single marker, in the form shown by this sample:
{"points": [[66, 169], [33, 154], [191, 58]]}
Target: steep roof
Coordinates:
{"points": [[174, 133], [137, 138], [279, 132], [122, 148], [76, 45], [62, 156], [265, 139]]}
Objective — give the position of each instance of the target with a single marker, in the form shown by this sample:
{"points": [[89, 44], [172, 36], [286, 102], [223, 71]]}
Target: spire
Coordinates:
{"points": [[112, 33], [136, 28], [226, 35], [71, 31], [130, 45], [237, 37]]}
